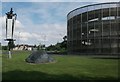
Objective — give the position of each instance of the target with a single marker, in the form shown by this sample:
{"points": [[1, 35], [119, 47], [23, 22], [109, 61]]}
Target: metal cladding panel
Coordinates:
{"points": [[9, 29]]}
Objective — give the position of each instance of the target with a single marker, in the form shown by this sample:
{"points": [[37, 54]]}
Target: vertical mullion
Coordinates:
{"points": [[87, 31], [118, 29], [94, 33], [72, 35], [81, 34], [109, 30], [102, 30]]}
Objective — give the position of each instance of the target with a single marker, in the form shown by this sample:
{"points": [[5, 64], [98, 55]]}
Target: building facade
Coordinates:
{"points": [[94, 29], [24, 47]]}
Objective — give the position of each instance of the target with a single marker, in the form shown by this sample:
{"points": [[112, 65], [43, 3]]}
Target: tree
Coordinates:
{"points": [[41, 47], [65, 38], [0, 47], [11, 44], [64, 43], [61, 47], [51, 48], [4, 47]]}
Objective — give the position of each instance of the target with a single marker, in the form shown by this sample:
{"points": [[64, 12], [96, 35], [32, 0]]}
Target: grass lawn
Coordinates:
{"points": [[65, 68]]}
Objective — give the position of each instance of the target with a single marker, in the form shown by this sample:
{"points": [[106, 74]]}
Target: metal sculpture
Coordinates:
{"points": [[10, 23]]}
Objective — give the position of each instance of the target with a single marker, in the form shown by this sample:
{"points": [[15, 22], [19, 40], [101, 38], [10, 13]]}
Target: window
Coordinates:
{"points": [[97, 7], [96, 19], [90, 8], [105, 5], [108, 18]]}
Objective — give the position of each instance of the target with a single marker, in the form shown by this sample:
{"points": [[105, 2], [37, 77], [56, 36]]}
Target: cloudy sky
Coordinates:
{"points": [[38, 21]]}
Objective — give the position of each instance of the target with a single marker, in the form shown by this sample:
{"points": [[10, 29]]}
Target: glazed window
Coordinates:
{"points": [[118, 17], [105, 5], [97, 7], [114, 5], [96, 19], [108, 18], [91, 8]]}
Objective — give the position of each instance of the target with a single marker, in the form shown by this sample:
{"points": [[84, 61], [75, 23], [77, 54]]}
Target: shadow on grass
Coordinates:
{"points": [[35, 75], [109, 57]]}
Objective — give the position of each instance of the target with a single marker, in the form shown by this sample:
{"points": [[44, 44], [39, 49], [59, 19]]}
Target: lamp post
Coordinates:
{"points": [[10, 21]]}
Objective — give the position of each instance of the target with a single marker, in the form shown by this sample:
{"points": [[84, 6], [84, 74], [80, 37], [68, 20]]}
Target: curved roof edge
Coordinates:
{"points": [[92, 5]]}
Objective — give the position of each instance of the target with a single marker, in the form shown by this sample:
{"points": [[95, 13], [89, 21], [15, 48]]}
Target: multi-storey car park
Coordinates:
{"points": [[94, 29]]}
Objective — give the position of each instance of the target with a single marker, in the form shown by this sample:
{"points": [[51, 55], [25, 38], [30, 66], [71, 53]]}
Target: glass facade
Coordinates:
{"points": [[94, 29]]}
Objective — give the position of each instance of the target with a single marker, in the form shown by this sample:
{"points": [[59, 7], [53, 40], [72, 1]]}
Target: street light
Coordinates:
{"points": [[10, 21]]}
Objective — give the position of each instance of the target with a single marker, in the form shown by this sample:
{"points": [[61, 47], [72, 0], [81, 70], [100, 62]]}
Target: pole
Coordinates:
{"points": [[9, 54]]}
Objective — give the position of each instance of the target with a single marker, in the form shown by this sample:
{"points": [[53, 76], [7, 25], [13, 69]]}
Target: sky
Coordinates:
{"points": [[40, 21]]}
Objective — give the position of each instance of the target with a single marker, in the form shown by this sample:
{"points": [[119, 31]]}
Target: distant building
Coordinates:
{"points": [[94, 29], [23, 47]]}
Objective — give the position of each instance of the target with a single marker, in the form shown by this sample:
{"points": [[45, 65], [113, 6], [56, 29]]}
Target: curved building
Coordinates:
{"points": [[94, 29]]}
